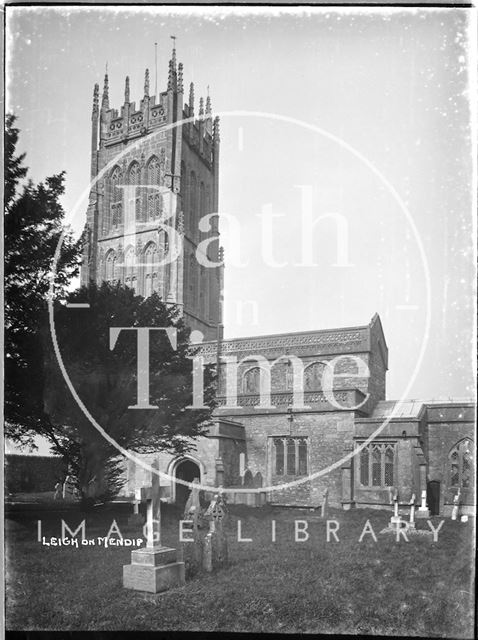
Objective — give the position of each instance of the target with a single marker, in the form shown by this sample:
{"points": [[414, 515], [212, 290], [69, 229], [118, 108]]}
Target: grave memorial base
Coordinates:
{"points": [[153, 570], [422, 513]]}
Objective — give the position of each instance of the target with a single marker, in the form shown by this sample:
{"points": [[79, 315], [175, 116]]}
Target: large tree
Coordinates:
{"points": [[105, 377], [33, 224]]}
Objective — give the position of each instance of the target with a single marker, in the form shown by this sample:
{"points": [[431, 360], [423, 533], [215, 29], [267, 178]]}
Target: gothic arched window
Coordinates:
{"points": [[115, 212], [251, 381], [129, 268], [111, 267], [150, 260], [312, 376], [155, 205], [134, 174], [153, 171], [460, 461], [134, 177]]}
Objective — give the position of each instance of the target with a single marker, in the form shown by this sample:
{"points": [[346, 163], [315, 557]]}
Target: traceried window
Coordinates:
{"points": [[129, 268], [377, 464], [154, 173], [111, 268], [312, 376], [134, 177], [251, 381], [289, 456], [116, 212], [134, 174], [155, 205], [150, 260], [460, 460]]}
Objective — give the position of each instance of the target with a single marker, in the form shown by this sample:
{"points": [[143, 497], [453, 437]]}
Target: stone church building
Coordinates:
{"points": [[160, 159]]}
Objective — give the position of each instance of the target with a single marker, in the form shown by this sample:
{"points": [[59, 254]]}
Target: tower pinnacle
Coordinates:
{"points": [[146, 82], [126, 89], [105, 103], [191, 99], [96, 99]]}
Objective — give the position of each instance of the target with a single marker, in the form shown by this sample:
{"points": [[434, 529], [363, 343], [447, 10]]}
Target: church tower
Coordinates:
{"points": [[154, 175]]}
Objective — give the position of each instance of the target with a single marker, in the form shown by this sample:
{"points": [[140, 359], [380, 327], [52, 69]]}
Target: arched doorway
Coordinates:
{"points": [[185, 470]]}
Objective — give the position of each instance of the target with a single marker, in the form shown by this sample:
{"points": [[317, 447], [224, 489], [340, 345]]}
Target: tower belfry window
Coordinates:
{"points": [[116, 209], [150, 269]]}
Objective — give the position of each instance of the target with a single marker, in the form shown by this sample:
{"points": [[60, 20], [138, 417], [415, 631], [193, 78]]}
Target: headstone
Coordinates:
{"points": [[456, 505], [324, 512], [69, 488], [215, 552], [423, 511], [464, 518], [395, 519], [58, 491], [411, 523], [155, 567], [192, 551]]}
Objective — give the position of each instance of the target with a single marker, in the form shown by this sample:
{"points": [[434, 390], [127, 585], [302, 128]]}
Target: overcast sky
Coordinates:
{"points": [[391, 84]]}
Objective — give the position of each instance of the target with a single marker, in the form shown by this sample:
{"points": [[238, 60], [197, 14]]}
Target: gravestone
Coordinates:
{"points": [[192, 550], [456, 505], [411, 522], [395, 519], [423, 511], [215, 552], [153, 568], [58, 491], [69, 488], [193, 509]]}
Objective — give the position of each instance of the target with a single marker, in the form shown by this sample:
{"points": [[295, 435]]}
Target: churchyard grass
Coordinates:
{"points": [[386, 587]]}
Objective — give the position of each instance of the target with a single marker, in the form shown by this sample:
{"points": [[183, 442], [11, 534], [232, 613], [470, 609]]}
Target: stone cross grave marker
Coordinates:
{"points": [[150, 495], [215, 542], [153, 568], [395, 519], [192, 510], [423, 511]]}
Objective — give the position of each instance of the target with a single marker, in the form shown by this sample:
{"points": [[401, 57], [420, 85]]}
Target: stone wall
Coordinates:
{"points": [[326, 434], [33, 474], [447, 424]]}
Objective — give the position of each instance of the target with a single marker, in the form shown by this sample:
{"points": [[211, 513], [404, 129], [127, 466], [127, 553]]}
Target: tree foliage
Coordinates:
{"points": [[33, 226], [106, 379]]}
